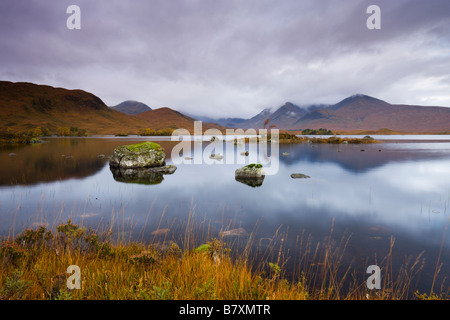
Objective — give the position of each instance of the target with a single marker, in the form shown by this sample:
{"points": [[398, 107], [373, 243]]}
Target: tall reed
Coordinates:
{"points": [[175, 265]]}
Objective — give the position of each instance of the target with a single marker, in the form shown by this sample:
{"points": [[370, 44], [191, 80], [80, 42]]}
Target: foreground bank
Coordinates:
{"points": [[78, 263]]}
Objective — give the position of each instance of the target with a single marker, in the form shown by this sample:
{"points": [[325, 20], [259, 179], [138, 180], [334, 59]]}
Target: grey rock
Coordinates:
{"points": [[217, 156], [142, 155], [250, 171], [251, 175], [299, 176], [168, 169]]}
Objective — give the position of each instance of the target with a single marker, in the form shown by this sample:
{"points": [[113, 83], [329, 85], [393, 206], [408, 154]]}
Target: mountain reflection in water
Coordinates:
{"points": [[394, 190]]}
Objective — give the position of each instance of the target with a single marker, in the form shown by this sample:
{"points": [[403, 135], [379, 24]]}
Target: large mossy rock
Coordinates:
{"points": [[142, 155], [250, 171]]}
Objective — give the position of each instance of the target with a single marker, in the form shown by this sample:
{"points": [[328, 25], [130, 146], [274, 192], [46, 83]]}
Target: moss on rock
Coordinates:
{"points": [[141, 155]]}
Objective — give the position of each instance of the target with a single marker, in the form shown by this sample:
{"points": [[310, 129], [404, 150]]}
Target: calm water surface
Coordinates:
{"points": [[366, 194]]}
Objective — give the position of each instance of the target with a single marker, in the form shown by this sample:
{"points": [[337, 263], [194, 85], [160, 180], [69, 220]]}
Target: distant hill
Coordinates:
{"points": [[131, 107], [225, 122], [286, 115], [163, 118], [355, 113], [361, 112], [283, 117], [25, 106], [257, 121]]}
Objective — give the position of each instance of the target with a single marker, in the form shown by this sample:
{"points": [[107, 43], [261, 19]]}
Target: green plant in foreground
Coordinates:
{"points": [[32, 237], [14, 286], [424, 296], [275, 269]]}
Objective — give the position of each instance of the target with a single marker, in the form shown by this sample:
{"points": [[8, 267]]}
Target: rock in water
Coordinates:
{"points": [[169, 169], [299, 176], [239, 232], [250, 171], [141, 155], [161, 232], [218, 156], [252, 175]]}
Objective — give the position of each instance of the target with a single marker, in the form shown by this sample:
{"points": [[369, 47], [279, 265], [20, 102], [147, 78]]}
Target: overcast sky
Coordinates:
{"points": [[231, 57]]}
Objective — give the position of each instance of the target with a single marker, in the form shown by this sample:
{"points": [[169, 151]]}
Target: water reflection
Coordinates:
{"points": [[137, 175], [141, 175], [363, 158], [59, 159], [402, 191], [252, 182]]}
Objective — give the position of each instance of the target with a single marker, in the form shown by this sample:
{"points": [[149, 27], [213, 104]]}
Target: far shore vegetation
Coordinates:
{"points": [[161, 132], [289, 138], [33, 135], [320, 131], [33, 265]]}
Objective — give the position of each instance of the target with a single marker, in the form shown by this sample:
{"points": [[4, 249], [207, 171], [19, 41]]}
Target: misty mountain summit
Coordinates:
{"points": [[131, 107]]}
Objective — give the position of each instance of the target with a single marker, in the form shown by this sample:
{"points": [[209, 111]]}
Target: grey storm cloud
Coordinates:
{"points": [[228, 57]]}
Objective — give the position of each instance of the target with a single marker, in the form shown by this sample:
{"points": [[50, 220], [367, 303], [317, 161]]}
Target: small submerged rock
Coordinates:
{"points": [[88, 215], [217, 156], [168, 169], [161, 232], [239, 232], [299, 176]]}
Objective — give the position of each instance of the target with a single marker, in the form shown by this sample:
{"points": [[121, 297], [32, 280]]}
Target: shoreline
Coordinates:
{"points": [[408, 138]]}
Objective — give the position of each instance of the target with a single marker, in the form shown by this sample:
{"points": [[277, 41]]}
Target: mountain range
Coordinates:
{"points": [[355, 113], [24, 106]]}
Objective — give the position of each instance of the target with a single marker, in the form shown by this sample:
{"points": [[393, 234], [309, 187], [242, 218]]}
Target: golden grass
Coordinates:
{"points": [[33, 265]]}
